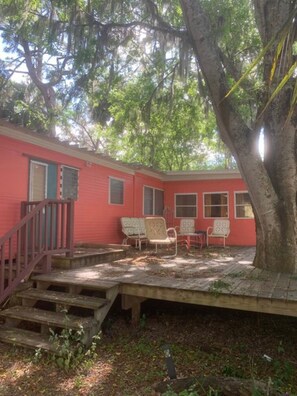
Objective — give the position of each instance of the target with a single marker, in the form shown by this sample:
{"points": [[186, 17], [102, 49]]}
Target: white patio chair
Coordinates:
{"points": [[186, 231], [133, 228], [220, 229], [157, 234]]}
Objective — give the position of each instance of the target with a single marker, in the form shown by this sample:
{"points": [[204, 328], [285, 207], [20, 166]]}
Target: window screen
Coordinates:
{"points": [[116, 191], [69, 183]]}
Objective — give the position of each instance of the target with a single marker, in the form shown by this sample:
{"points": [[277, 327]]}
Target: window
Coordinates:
{"points": [[69, 183], [153, 201], [216, 204], [243, 206], [185, 205], [116, 191]]}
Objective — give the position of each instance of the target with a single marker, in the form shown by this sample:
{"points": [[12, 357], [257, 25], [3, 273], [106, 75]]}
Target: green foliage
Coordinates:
{"points": [[192, 391], [231, 371], [86, 53], [164, 127], [70, 349], [283, 373], [218, 287]]}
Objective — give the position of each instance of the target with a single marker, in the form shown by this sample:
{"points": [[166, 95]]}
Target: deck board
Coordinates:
{"points": [[292, 289], [228, 280], [281, 288], [268, 284]]}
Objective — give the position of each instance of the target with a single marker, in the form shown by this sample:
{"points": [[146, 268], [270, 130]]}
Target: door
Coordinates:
{"points": [[42, 185], [43, 181]]}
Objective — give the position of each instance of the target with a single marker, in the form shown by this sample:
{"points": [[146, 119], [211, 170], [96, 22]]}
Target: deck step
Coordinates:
{"points": [[26, 338], [66, 279], [48, 318], [75, 300]]}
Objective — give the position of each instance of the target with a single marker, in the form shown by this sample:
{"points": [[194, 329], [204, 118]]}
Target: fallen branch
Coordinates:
{"points": [[226, 386]]}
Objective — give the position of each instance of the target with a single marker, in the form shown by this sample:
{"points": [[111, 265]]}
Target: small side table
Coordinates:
{"points": [[201, 237]]}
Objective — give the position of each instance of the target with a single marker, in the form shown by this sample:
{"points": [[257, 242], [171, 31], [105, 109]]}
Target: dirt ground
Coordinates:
{"points": [[130, 360]]}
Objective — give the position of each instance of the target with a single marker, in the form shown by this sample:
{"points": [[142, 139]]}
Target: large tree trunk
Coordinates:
{"points": [[272, 183]]}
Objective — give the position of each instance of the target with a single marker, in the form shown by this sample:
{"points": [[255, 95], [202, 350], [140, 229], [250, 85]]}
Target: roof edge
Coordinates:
{"points": [[23, 134], [201, 175]]}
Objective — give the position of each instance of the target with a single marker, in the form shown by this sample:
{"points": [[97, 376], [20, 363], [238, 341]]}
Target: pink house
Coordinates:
{"points": [[34, 167]]}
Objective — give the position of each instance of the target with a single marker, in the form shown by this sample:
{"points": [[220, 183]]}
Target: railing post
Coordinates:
{"points": [[26, 244], [23, 209], [70, 228], [23, 214]]}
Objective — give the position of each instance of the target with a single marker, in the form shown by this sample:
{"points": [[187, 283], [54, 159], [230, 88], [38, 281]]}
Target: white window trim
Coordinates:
{"points": [[193, 193], [154, 208], [216, 192], [61, 179], [109, 190], [46, 176], [235, 216]]}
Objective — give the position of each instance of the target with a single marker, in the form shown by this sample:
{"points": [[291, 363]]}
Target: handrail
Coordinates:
{"points": [[46, 227]]}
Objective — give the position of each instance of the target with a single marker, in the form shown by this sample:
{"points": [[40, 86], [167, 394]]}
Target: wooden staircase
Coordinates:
{"points": [[57, 302]]}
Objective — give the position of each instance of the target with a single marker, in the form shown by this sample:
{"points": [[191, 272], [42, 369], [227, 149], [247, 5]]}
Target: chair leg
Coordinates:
{"points": [[175, 248]]}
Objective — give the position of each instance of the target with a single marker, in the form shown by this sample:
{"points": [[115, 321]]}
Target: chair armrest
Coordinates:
{"points": [[172, 229], [209, 230]]}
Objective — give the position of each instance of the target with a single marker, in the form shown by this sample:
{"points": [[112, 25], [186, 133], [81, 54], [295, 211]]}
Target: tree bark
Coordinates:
{"points": [[272, 183], [46, 89]]}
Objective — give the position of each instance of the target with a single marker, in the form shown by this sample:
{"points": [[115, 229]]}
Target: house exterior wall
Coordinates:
{"points": [[13, 183], [242, 231], [96, 219]]}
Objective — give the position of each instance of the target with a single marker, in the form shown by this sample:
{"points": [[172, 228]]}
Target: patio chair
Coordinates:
{"points": [[133, 228], [186, 231], [157, 234], [220, 229]]}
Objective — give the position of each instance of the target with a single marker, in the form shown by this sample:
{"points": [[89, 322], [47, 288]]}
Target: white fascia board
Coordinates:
{"points": [[201, 175]]}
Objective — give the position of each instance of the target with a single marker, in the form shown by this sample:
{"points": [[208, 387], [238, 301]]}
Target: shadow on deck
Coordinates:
{"points": [[220, 277], [89, 255]]}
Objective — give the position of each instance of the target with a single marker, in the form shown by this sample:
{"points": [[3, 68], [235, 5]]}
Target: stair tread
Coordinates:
{"points": [[55, 319], [75, 278], [76, 300], [26, 338]]}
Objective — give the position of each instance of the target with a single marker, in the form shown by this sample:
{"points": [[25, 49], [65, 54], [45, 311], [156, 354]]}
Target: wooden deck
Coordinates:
{"points": [[219, 278]]}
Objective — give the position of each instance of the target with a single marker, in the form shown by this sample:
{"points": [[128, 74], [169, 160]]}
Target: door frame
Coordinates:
{"points": [[32, 162]]}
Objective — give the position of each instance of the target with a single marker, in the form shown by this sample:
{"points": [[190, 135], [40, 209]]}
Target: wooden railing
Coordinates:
{"points": [[45, 228]]}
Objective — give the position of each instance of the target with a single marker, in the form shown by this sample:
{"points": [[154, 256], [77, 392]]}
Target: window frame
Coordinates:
{"points": [[204, 206], [236, 205], [62, 181], [110, 178], [45, 165], [196, 206], [154, 200]]}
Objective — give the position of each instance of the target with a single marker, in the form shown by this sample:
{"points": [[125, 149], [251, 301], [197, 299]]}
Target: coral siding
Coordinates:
{"points": [[242, 231], [96, 220], [13, 185], [141, 181]]}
